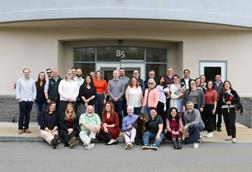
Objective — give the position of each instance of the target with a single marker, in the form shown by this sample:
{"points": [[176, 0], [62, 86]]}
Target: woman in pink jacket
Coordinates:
{"points": [[151, 97]]}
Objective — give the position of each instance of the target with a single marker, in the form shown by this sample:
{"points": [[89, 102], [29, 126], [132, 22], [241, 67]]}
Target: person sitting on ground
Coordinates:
{"points": [[193, 124], [128, 127], [174, 127], [69, 127], [110, 125], [49, 125], [154, 130], [90, 125]]}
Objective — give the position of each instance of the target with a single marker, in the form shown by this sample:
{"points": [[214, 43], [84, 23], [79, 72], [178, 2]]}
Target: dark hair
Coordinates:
{"points": [[223, 86], [39, 80], [91, 83], [175, 76], [208, 84], [130, 82], [186, 70], [48, 69], [163, 84], [48, 106], [170, 116]]}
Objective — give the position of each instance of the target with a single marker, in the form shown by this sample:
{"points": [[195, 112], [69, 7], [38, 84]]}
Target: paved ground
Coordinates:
{"points": [[210, 157]]}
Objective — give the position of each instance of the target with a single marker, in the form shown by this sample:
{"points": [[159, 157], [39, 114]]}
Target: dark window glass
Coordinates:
{"points": [[86, 67], [119, 53], [210, 72], [159, 69], [156, 55], [84, 54]]}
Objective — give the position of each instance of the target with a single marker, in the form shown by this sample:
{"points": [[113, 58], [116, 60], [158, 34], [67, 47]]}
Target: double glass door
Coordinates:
{"points": [[108, 68]]}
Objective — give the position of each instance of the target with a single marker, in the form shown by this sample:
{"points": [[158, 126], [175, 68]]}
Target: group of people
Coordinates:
{"points": [[87, 109]]}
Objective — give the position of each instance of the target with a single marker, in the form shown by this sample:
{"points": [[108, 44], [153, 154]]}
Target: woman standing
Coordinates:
{"points": [[161, 106], [176, 94], [68, 90], [229, 98], [87, 94], [110, 125], [151, 97], [101, 87], [134, 95], [49, 125], [194, 95], [69, 126], [208, 115], [40, 97]]}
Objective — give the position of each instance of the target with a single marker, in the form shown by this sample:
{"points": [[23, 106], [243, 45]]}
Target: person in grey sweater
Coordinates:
{"points": [[193, 124], [116, 91]]}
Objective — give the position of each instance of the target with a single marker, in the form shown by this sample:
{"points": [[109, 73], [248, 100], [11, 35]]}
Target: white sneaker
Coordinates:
{"points": [[204, 133], [233, 140], [209, 135], [195, 145], [89, 146]]}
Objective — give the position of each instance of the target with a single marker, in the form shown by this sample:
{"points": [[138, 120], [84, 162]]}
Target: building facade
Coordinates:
{"points": [[207, 37]]}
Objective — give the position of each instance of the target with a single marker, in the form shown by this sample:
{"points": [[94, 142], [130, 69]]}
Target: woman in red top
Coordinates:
{"points": [[102, 91], [208, 115], [174, 127], [110, 125]]}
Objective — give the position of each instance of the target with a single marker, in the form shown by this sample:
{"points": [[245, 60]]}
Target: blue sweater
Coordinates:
{"points": [[129, 120]]}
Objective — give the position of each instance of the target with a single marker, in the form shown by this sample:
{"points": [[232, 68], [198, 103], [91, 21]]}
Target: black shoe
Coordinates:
{"points": [[179, 144], [54, 143], [175, 145], [93, 140]]}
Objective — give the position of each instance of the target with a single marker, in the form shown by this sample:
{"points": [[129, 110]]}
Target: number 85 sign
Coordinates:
{"points": [[120, 53]]}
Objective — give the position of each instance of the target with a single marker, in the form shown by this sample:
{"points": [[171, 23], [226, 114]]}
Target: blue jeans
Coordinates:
{"points": [[118, 108], [40, 108], [149, 135], [194, 134]]}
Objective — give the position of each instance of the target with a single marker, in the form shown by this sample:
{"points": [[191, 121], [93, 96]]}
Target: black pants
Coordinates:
{"points": [[66, 137], [99, 104], [161, 112], [63, 105], [219, 112], [208, 117], [229, 119], [106, 137], [25, 108]]}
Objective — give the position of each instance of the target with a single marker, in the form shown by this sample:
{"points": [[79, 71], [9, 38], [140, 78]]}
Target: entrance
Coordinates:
{"points": [[108, 68], [212, 68]]}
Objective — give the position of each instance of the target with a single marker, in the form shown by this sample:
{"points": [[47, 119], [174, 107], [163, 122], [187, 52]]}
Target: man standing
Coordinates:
{"points": [[116, 89], [51, 89], [193, 124], [78, 77], [125, 81], [26, 95], [151, 75], [49, 73], [217, 87], [140, 81], [186, 80]]}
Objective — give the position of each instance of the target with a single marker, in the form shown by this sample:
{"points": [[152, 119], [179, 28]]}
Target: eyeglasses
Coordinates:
{"points": [[150, 83]]}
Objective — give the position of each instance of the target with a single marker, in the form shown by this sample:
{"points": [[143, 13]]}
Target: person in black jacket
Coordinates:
{"points": [[69, 126], [229, 100], [87, 94], [185, 82], [49, 125]]}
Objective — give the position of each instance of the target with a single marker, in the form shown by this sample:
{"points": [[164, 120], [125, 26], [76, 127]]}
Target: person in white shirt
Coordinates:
{"points": [[134, 95], [68, 91], [26, 95]]}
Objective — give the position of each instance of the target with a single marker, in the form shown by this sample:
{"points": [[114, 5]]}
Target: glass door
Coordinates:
{"points": [[108, 68]]}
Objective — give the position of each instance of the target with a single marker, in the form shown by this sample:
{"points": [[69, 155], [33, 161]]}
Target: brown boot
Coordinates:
{"points": [[27, 131]]}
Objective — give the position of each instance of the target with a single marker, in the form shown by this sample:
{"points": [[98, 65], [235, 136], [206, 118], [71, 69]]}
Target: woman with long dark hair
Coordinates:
{"points": [[174, 127], [40, 97], [49, 125], [69, 126], [229, 99], [110, 125], [208, 115], [87, 94]]}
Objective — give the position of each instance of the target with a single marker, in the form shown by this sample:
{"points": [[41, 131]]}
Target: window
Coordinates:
{"points": [[212, 68]]}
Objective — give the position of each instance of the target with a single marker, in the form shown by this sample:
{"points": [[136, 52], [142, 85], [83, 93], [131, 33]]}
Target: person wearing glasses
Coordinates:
{"points": [[49, 73], [151, 97], [68, 90]]}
